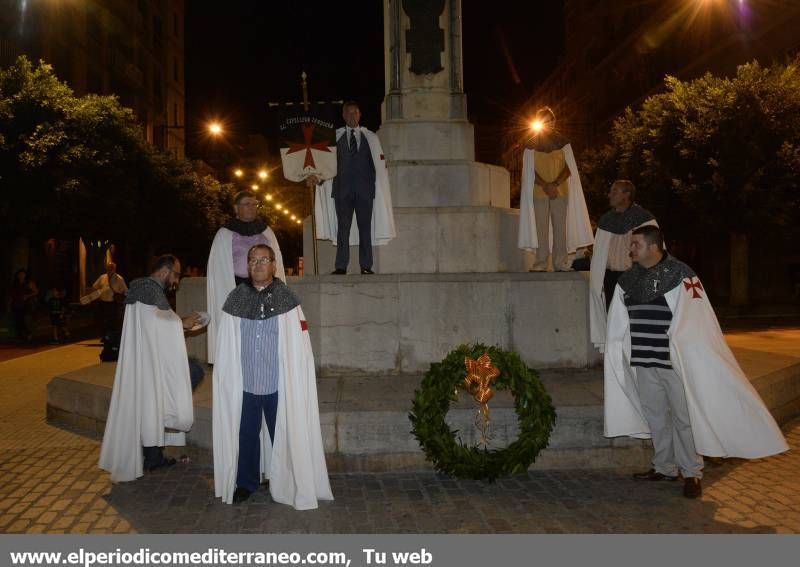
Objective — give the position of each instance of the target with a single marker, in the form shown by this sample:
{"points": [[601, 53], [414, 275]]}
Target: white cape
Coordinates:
{"points": [[579, 229], [152, 391], [383, 229], [220, 279], [295, 462], [597, 296], [728, 417]]}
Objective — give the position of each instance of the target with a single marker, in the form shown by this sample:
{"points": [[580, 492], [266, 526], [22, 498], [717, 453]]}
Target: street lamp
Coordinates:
{"points": [[254, 187], [278, 206], [215, 128], [262, 174], [238, 173], [268, 197]]}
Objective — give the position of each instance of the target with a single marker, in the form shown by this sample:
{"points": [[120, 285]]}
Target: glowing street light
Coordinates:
{"points": [[238, 173], [298, 221], [278, 206], [254, 187], [215, 128], [294, 217], [263, 174], [285, 211], [268, 197], [537, 126]]}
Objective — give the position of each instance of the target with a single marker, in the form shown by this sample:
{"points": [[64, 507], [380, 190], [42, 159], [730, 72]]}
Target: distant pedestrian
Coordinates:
{"points": [[23, 297], [57, 306], [112, 295]]}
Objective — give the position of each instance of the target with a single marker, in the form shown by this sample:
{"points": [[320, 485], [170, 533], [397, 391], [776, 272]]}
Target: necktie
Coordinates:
{"points": [[352, 140]]}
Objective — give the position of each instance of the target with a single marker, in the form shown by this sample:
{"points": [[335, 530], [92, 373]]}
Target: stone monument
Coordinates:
{"points": [[454, 273]]}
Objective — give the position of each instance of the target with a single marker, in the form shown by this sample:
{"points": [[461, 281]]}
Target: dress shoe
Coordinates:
{"points": [[366, 271], [165, 462], [692, 487], [339, 272], [240, 495], [653, 475]]}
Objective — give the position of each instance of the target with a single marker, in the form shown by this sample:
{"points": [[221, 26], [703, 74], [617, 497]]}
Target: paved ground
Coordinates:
{"points": [[51, 483]]}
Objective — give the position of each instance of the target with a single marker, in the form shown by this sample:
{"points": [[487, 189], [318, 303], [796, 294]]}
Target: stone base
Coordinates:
{"points": [[400, 324], [448, 184], [427, 140], [438, 240]]}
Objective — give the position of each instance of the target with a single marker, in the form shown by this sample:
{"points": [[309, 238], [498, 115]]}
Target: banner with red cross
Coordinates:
{"points": [[308, 140]]}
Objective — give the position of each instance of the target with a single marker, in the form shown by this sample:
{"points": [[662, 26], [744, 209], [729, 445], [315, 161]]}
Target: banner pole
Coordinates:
{"points": [[312, 188]]}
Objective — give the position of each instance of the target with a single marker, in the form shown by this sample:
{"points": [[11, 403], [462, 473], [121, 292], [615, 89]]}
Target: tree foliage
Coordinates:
{"points": [[712, 152], [79, 166]]}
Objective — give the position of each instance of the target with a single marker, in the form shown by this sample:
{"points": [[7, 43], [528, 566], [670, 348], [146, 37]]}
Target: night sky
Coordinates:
{"points": [[251, 53]]}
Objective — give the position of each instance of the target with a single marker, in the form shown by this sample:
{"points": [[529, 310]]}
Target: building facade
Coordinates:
{"points": [[133, 49]]}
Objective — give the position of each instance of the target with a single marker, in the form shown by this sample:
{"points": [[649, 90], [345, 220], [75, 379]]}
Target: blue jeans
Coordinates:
{"points": [[253, 407]]}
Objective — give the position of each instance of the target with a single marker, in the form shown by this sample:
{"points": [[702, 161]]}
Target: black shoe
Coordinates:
{"points": [[240, 495], [366, 271], [653, 476], [165, 463], [692, 487], [339, 272]]}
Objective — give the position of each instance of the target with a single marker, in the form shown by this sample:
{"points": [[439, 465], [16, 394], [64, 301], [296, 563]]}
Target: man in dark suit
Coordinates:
{"points": [[353, 190]]}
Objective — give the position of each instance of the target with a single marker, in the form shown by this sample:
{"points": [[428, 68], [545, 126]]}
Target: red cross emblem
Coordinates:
{"points": [[308, 145], [693, 284]]}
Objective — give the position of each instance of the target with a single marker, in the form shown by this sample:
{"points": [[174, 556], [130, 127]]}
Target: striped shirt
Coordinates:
{"points": [[260, 356], [649, 325]]}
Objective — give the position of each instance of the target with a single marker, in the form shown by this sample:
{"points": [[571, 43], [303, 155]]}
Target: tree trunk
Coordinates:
{"points": [[739, 270]]}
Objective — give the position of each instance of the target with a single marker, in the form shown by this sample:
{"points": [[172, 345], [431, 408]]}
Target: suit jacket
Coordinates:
{"points": [[355, 172]]}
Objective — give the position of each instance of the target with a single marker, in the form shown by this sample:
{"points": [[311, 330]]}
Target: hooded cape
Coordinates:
{"points": [[728, 417], [294, 462], [152, 390], [611, 223]]}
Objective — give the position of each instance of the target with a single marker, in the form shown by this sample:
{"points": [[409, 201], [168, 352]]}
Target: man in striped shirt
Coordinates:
{"points": [[661, 390]]}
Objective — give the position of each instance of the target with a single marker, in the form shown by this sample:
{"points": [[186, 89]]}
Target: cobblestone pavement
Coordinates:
{"points": [[51, 483]]}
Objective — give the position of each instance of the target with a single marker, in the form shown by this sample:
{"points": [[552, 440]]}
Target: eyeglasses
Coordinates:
{"points": [[262, 261]]}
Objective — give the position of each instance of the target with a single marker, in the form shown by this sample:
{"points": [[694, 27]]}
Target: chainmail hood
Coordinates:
{"points": [[247, 302], [149, 292], [643, 285], [626, 221]]}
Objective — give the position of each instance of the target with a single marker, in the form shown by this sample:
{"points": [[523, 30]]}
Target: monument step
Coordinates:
{"points": [[365, 423]]}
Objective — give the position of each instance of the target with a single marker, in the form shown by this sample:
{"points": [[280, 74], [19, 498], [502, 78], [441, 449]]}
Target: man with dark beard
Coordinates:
{"points": [[227, 262], [152, 389]]}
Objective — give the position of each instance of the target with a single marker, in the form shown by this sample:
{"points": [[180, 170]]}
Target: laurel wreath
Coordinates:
{"points": [[535, 414]]}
